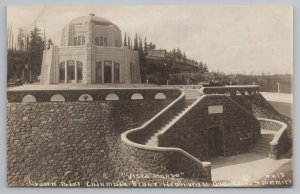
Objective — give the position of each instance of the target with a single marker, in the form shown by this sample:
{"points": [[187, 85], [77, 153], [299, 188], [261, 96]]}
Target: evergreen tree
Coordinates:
{"points": [[125, 40], [129, 41], [145, 45], [36, 47], [135, 42], [141, 45]]}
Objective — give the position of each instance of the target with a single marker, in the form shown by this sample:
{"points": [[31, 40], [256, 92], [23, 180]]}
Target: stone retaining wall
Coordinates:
{"points": [[72, 141], [281, 141], [190, 132]]}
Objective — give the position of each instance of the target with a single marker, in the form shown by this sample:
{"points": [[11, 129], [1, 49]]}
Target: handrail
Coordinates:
{"points": [[164, 149], [201, 99]]}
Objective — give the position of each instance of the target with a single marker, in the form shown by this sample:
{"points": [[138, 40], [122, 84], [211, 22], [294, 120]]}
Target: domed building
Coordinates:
{"points": [[91, 52]]}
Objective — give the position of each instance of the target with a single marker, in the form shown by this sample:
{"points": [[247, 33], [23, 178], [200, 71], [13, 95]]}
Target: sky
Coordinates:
{"points": [[232, 39]]}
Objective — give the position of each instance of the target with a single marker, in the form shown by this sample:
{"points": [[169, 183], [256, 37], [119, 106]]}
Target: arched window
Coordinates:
{"points": [[28, 98], [137, 96], [85, 97], [160, 96], [57, 98], [112, 96]]}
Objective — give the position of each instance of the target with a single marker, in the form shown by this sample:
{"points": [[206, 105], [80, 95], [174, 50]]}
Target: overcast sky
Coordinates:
{"points": [[232, 39]]}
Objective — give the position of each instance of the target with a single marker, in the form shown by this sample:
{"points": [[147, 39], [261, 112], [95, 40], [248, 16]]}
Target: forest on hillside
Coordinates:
{"points": [[24, 60]]}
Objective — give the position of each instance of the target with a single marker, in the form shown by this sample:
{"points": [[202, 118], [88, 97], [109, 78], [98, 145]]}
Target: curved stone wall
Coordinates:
{"points": [[281, 142], [163, 159]]}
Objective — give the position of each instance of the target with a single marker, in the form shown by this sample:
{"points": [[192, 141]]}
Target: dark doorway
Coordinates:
{"points": [[107, 72], [215, 141]]}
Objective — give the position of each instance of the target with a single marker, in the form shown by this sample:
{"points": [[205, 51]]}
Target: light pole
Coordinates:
{"points": [[278, 89]]}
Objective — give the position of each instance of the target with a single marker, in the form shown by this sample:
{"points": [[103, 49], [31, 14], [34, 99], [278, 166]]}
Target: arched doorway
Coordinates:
{"points": [[107, 72], [216, 144]]}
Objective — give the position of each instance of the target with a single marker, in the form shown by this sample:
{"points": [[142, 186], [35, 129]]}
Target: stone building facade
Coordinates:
{"points": [[91, 52]]}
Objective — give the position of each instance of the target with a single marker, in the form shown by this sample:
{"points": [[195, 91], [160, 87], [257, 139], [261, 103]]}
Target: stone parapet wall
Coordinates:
{"points": [[269, 125], [161, 159], [97, 94], [281, 141], [168, 161]]}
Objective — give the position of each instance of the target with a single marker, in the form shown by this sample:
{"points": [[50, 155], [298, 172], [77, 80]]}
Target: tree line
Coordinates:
{"points": [[25, 54]]}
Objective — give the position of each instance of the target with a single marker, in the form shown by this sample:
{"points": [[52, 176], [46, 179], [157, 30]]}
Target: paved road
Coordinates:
{"points": [[244, 166]]}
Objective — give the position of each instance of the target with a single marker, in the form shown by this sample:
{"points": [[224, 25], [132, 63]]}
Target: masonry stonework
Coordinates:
{"points": [[76, 141], [96, 44], [237, 127]]}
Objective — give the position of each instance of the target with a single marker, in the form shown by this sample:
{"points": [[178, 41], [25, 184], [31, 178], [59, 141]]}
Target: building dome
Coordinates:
{"points": [[93, 19]]}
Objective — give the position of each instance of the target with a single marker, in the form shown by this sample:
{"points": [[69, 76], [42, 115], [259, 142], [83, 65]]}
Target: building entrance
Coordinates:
{"points": [[216, 144], [107, 72]]}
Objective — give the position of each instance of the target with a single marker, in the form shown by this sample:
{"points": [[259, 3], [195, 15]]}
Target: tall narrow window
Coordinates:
{"points": [[116, 72], [101, 41], [83, 40], [131, 72], [75, 40], [62, 72], [79, 70], [99, 72], [79, 40], [71, 70], [97, 41], [107, 72], [104, 41]]}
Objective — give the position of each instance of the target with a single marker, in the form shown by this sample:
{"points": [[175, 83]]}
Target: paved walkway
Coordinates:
{"points": [[278, 97], [247, 166]]}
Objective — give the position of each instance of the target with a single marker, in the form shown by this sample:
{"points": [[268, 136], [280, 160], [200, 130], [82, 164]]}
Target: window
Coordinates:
{"points": [[75, 41], [71, 70], [107, 72], [101, 41], [62, 71], [104, 41], [79, 40], [116, 72], [79, 70], [99, 72]]}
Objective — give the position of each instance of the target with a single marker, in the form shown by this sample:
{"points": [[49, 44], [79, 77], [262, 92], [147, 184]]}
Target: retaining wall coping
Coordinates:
{"points": [[279, 133], [164, 149]]}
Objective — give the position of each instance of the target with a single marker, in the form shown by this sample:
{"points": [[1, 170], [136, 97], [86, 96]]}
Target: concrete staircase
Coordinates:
{"points": [[153, 140], [262, 145]]}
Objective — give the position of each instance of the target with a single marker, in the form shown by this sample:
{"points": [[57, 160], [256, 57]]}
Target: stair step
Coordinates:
{"points": [[153, 140]]}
